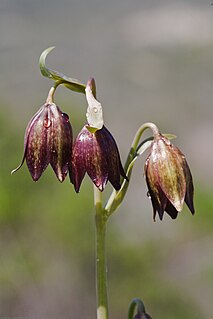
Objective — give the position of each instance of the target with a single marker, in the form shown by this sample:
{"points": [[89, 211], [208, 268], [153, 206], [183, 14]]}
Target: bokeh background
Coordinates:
{"points": [[152, 61]]}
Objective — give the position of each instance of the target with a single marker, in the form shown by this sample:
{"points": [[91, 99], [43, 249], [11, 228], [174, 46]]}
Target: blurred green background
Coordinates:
{"points": [[152, 61]]}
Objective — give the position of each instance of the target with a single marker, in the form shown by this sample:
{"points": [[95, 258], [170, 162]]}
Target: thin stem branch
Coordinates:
{"points": [[136, 140], [101, 269], [50, 97], [117, 197]]}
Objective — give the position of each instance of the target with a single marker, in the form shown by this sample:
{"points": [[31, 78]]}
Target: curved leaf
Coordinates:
{"points": [[70, 83]]}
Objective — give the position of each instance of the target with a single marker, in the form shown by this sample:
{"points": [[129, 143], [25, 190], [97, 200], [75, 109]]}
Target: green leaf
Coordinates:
{"points": [[144, 146], [72, 84], [170, 136]]}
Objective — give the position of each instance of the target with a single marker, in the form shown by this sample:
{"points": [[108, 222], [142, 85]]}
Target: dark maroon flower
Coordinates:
{"points": [[48, 140], [97, 154], [168, 178], [143, 315]]}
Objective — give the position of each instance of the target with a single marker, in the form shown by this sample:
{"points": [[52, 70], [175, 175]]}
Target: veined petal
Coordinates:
{"points": [[36, 153], [171, 210], [111, 155], [29, 126], [59, 142], [189, 187], [157, 196], [87, 157], [170, 172], [78, 164], [95, 161]]}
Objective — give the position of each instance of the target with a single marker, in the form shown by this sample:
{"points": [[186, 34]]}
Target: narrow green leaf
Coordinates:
{"points": [[70, 83], [170, 136], [144, 146], [44, 70]]}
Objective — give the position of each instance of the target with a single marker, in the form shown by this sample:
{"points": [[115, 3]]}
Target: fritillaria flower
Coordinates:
{"points": [[97, 154], [143, 315], [48, 140], [168, 178]]}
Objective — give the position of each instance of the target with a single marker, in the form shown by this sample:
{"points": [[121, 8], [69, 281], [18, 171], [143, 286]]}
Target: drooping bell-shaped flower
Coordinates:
{"points": [[142, 315], [97, 154], [168, 178], [95, 151], [48, 140]]}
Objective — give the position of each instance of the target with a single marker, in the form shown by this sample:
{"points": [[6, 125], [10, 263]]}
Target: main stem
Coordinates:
{"points": [[101, 268]]}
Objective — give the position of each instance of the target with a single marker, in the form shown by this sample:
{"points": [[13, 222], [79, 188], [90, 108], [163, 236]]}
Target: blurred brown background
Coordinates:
{"points": [[152, 61]]}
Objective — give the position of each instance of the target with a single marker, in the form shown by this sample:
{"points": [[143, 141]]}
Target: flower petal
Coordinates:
{"points": [[88, 157], [157, 196], [59, 142], [78, 163], [170, 171], [95, 161], [36, 154], [171, 210], [30, 124], [111, 155], [189, 187]]}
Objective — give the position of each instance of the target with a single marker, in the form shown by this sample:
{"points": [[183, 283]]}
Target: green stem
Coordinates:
{"points": [[50, 97], [136, 140], [117, 197], [101, 269]]}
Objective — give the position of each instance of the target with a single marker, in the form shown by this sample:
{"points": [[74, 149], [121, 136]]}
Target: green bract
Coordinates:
{"points": [[58, 77]]}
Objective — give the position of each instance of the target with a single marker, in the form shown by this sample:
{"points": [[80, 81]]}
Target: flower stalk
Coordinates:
{"points": [[50, 97], [117, 197], [101, 267]]}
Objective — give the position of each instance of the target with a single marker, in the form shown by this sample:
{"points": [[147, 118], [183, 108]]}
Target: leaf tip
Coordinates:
{"points": [[44, 70]]}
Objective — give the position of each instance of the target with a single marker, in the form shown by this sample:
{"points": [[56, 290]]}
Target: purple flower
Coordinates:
{"points": [[97, 154], [143, 315], [48, 140], [168, 178]]}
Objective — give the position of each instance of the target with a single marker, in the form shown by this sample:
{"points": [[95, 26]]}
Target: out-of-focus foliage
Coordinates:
{"points": [[47, 249]]}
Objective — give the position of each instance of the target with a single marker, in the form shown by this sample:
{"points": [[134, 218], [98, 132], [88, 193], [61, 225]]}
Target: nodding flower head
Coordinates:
{"points": [[168, 178], [142, 315], [97, 154], [48, 140]]}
